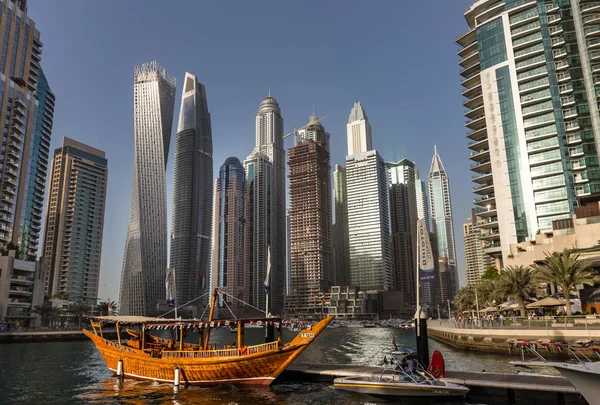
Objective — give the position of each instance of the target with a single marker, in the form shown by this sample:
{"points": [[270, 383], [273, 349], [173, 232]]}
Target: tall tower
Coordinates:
{"points": [[229, 268], [341, 274], [441, 215], [310, 222], [533, 122], [403, 215], [475, 261], [192, 197], [368, 208], [74, 220], [27, 105], [145, 256], [422, 200], [259, 173], [269, 143]]}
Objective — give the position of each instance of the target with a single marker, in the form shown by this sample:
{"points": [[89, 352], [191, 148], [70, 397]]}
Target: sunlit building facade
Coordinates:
{"points": [[145, 255], [530, 87]]}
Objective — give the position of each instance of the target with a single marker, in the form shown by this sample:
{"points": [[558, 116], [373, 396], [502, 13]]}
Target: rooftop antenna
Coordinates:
{"points": [[269, 91], [435, 149], [313, 109]]}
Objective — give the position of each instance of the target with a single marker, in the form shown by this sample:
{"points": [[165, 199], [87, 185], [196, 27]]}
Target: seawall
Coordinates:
{"points": [[496, 340], [48, 336]]}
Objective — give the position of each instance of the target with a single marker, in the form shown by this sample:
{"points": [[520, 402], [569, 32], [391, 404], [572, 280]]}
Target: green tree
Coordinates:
{"points": [[78, 310], [55, 316], [489, 292], [520, 283], [491, 273], [566, 271], [465, 298], [102, 308], [44, 311]]}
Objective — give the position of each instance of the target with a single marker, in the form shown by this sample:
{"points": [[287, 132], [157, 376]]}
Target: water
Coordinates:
{"points": [[75, 373]]}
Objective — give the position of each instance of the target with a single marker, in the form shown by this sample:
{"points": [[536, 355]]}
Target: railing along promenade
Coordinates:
{"points": [[494, 335]]}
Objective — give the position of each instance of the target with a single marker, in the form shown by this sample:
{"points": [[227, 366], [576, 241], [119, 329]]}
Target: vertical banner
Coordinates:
{"points": [[170, 287], [426, 263]]}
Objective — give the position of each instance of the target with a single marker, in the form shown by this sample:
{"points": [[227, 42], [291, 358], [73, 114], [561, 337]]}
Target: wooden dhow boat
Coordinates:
{"points": [[141, 355]]}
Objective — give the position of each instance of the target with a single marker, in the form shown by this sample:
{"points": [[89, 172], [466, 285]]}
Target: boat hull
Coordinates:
{"points": [[260, 366], [382, 389]]}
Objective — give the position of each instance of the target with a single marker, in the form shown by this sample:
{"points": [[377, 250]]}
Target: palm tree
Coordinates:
{"points": [[78, 310], [520, 283], [489, 292], [464, 298], [565, 270], [55, 315], [44, 311]]}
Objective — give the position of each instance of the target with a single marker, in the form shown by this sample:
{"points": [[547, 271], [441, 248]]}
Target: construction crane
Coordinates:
{"points": [[295, 132]]}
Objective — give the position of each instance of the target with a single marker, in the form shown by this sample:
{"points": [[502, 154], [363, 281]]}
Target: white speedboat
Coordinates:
{"points": [[405, 379], [394, 383]]}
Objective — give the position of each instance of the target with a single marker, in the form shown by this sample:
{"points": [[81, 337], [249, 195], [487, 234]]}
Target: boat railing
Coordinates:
{"points": [[199, 353], [265, 347]]}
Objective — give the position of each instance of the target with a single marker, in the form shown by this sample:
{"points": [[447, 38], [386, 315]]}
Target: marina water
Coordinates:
{"points": [[75, 373]]}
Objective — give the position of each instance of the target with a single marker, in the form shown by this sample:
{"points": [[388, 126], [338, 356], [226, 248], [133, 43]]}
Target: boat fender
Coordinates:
{"points": [[437, 367], [177, 377], [120, 368]]}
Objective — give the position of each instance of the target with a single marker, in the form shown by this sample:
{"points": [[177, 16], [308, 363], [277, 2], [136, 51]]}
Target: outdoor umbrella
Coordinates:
{"points": [[546, 302]]}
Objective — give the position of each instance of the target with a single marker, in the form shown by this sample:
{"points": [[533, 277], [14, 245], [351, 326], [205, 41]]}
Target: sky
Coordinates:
{"points": [[397, 57]]}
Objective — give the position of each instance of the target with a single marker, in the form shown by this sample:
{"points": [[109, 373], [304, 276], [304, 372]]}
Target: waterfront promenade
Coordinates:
{"points": [[494, 336]]}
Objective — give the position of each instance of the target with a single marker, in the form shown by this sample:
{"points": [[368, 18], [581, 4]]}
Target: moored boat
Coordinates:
{"points": [[142, 355]]}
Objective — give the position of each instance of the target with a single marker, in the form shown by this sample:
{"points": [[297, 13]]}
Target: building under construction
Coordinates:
{"points": [[310, 222]]}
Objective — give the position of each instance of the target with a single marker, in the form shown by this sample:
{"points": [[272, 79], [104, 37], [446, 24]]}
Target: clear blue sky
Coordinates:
{"points": [[397, 57]]}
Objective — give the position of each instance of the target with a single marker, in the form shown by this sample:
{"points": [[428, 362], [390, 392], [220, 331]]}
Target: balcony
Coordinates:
{"points": [[478, 134], [582, 190], [474, 103], [471, 69], [472, 92], [485, 189], [480, 156], [490, 211], [486, 200], [590, 7], [22, 280], [478, 145], [476, 123], [557, 41], [593, 43], [475, 112], [571, 126], [483, 178], [555, 30], [490, 235], [580, 178], [480, 167], [561, 64], [576, 152], [553, 19], [488, 223], [578, 164], [573, 139]]}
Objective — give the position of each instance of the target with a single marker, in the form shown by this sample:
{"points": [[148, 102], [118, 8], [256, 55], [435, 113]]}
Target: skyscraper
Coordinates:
{"points": [[75, 221], [403, 216], [341, 273], [145, 255], [368, 208], [422, 200], [229, 269], [269, 143], [441, 215], [475, 260], [530, 90], [310, 221], [27, 104], [192, 197], [259, 172]]}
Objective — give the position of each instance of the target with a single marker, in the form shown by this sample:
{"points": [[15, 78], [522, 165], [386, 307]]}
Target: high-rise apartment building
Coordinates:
{"points": [[229, 271], [441, 218], [403, 218], [530, 88], [311, 270], [359, 131], [27, 108], [341, 272], [475, 260], [259, 172], [422, 200], [145, 256], [75, 221], [269, 143], [368, 208], [192, 198]]}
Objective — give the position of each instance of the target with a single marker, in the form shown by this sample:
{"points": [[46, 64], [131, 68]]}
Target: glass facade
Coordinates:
{"points": [[491, 43]]}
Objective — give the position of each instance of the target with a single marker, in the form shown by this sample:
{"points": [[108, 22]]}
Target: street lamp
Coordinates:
{"points": [[439, 317], [477, 303], [448, 309]]}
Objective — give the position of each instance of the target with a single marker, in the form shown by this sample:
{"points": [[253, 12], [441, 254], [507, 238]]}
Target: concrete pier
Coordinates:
{"points": [[511, 388]]}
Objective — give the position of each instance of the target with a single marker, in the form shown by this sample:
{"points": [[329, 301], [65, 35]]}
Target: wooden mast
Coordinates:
{"points": [[210, 317]]}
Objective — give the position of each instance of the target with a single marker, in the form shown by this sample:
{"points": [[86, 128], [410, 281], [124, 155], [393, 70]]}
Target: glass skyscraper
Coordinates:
{"points": [[192, 197], [441, 218], [368, 208], [229, 271], [531, 82], [341, 273], [27, 108], [145, 256]]}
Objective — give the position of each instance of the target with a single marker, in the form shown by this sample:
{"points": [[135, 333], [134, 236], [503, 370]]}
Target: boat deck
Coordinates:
{"points": [[558, 390]]}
